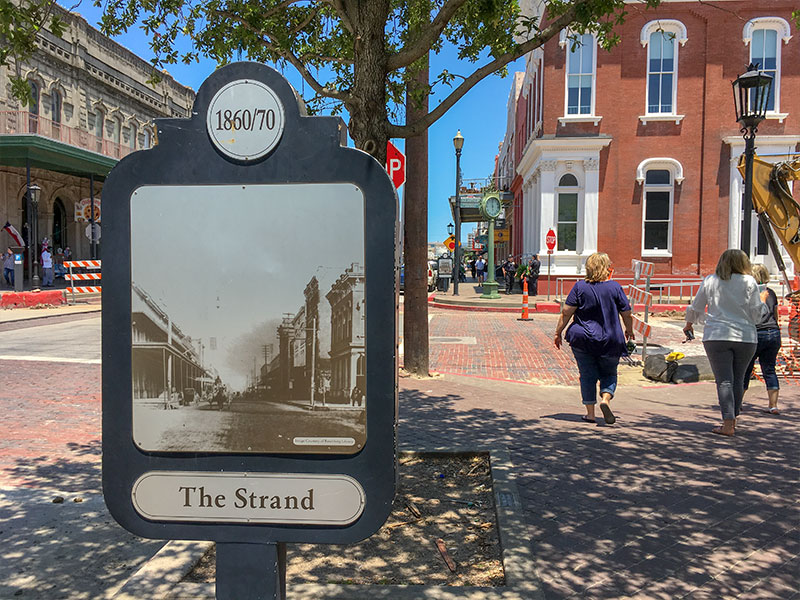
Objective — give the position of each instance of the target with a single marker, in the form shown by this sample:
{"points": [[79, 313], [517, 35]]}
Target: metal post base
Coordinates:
{"points": [[490, 290], [251, 571]]}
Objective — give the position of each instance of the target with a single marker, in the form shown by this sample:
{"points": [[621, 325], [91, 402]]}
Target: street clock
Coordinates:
{"points": [[491, 206]]}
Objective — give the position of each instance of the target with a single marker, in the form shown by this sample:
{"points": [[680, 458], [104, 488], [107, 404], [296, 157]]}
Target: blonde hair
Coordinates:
{"points": [[733, 261], [597, 267], [761, 273]]}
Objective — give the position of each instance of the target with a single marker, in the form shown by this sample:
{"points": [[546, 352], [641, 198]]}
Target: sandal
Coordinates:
{"points": [[587, 419], [607, 414], [718, 431], [773, 411]]}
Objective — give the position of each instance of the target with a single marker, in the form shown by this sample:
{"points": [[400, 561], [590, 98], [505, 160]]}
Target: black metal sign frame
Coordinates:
{"points": [[310, 151]]}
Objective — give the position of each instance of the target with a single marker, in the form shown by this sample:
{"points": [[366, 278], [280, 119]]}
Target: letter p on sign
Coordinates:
{"points": [[395, 165]]}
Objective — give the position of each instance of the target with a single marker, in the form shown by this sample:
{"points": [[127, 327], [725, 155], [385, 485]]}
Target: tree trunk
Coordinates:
{"points": [[415, 245], [369, 118]]}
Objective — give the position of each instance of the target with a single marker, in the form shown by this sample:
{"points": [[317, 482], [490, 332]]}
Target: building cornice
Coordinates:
{"points": [[562, 146]]}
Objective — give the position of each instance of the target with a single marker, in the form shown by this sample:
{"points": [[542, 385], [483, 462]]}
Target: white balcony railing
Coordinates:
{"points": [[19, 122]]}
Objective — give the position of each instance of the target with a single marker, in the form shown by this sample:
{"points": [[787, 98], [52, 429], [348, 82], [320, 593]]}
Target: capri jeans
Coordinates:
{"points": [[729, 362], [769, 342], [593, 368]]}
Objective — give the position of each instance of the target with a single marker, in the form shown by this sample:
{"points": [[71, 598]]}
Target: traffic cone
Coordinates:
{"points": [[524, 300]]}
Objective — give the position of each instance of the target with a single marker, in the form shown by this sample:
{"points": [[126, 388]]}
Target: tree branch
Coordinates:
{"points": [[333, 59], [418, 48], [312, 15], [409, 130], [338, 6], [288, 55]]}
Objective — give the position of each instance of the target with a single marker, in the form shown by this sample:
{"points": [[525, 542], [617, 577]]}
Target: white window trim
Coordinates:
{"points": [[668, 25], [668, 187], [784, 31], [563, 38], [679, 31], [670, 164]]}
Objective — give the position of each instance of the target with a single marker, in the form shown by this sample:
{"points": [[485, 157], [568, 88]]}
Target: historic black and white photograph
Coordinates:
{"points": [[248, 318]]}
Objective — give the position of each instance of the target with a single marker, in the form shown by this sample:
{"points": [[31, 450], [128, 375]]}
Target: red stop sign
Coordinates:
{"points": [[550, 240], [395, 165]]}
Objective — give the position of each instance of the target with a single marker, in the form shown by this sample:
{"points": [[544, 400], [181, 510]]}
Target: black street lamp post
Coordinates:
{"points": [[458, 144], [450, 229], [33, 194], [751, 94]]}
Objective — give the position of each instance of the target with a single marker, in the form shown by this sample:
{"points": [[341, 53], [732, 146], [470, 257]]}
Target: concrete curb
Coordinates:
{"points": [[160, 578]]}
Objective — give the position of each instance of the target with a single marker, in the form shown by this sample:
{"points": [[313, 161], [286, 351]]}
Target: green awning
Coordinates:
{"points": [[52, 155]]}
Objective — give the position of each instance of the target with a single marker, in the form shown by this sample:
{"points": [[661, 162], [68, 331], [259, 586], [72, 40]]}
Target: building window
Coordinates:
{"points": [[55, 106], [147, 137], [661, 75], [567, 225], [33, 108], [580, 75], [764, 50], [133, 135], [657, 222], [59, 224]]}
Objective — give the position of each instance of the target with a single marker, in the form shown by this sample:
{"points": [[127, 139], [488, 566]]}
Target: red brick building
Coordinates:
{"points": [[632, 151]]}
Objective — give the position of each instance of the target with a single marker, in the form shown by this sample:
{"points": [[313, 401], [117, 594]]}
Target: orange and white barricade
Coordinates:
{"points": [[86, 264]]}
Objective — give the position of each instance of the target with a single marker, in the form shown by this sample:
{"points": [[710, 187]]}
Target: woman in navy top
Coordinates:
{"points": [[596, 336]]}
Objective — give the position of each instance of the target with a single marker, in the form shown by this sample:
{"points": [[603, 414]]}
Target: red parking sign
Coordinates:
{"points": [[395, 165]]}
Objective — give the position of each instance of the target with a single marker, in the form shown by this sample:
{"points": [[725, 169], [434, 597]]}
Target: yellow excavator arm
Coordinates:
{"points": [[777, 209]]}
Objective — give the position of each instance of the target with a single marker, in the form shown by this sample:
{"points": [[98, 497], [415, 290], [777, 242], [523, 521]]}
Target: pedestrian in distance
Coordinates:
{"points": [[8, 267], [472, 268], [480, 267], [768, 335], [47, 268], [729, 337], [534, 265], [509, 271], [595, 306], [356, 397]]}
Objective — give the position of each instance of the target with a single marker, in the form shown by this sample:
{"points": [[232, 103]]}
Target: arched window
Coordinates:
{"points": [[567, 224], [55, 106], [147, 137], [134, 133], [657, 221], [59, 224], [33, 107], [764, 35], [99, 126], [661, 72], [116, 135]]}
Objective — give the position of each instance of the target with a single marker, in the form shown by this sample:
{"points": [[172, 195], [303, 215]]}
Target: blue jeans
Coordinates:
{"points": [[729, 362], [769, 342], [592, 369], [9, 275]]}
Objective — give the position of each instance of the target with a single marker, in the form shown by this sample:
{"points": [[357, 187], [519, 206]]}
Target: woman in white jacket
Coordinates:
{"points": [[729, 337]]}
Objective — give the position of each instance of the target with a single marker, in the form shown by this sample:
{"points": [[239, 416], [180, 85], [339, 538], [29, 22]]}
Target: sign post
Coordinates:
{"points": [[550, 240], [194, 446]]}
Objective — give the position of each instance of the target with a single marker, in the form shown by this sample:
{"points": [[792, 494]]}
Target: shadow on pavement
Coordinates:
{"points": [[656, 507]]}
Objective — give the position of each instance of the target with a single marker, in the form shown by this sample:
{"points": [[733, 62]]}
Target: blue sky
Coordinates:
{"points": [[480, 115]]}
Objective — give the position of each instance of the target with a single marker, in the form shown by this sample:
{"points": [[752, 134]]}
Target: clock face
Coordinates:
{"points": [[492, 207]]}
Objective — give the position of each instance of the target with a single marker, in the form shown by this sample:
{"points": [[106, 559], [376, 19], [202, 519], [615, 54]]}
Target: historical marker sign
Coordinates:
{"points": [[206, 434]]}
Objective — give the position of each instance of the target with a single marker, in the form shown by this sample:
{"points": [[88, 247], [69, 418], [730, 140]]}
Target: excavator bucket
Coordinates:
{"points": [[783, 211]]}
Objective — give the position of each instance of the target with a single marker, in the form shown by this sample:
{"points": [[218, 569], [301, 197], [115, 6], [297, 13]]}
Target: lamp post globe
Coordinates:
{"points": [[34, 192], [458, 144], [751, 95], [449, 229]]}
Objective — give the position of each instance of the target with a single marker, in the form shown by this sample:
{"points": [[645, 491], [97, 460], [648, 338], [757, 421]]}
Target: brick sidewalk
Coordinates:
{"points": [[654, 507]]}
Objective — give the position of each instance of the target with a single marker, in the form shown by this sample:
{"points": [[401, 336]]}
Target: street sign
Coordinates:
{"points": [[88, 232], [450, 242], [188, 450], [550, 240], [395, 165]]}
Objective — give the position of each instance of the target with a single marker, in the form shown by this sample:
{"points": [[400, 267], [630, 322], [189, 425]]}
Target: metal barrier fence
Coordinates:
{"points": [[665, 291], [86, 264]]}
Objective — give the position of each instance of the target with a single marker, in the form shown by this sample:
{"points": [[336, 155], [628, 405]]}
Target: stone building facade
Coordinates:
{"points": [[92, 106]]}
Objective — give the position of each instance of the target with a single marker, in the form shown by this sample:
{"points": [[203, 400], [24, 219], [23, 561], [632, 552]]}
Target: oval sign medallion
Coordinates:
{"points": [[245, 119]]}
